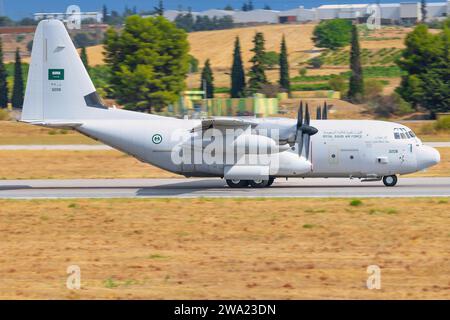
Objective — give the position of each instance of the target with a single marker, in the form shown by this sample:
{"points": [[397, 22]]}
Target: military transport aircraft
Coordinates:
{"points": [[246, 151]]}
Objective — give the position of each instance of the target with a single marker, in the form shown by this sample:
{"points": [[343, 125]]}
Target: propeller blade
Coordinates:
{"points": [[325, 111], [300, 144], [300, 116], [307, 117], [319, 113], [307, 139]]}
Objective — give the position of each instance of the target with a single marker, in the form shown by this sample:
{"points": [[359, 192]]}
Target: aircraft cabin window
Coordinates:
{"points": [[403, 135], [412, 134]]}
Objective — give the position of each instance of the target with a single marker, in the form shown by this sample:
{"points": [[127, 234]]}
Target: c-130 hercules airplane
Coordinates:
{"points": [[60, 94]]}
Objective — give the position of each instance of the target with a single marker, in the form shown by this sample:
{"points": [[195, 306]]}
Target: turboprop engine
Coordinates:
{"points": [[257, 144]]}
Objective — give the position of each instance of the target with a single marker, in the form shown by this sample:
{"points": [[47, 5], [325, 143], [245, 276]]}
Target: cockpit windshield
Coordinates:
{"points": [[402, 133]]}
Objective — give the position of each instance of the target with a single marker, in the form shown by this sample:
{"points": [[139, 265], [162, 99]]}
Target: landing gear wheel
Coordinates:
{"points": [[390, 181], [271, 180], [237, 183], [259, 183]]}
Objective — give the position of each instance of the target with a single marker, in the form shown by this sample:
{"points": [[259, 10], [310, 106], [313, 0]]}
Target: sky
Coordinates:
{"points": [[17, 9]]}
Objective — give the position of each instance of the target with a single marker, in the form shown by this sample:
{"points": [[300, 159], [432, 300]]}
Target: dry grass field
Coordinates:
{"points": [[111, 164], [218, 47], [19, 133], [213, 249], [75, 165]]}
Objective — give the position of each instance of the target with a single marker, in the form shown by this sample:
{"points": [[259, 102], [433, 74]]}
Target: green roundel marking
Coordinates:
{"points": [[157, 139]]}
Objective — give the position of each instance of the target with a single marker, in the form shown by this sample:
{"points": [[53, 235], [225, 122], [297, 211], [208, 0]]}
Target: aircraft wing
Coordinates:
{"points": [[223, 123]]}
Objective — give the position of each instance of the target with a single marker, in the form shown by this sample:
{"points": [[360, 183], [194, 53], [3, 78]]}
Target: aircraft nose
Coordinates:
{"points": [[427, 157]]}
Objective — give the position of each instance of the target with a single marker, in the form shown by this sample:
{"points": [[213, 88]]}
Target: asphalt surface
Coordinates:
{"points": [[194, 188]]}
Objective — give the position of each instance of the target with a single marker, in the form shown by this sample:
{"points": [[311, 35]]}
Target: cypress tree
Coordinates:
{"points": [[207, 80], [105, 14], [257, 72], [284, 67], [423, 10], [84, 58], [356, 86], [18, 90], [3, 82], [237, 72], [159, 10]]}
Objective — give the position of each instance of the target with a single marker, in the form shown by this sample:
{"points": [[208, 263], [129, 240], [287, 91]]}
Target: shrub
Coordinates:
{"points": [[356, 203], [372, 89], [303, 72], [338, 83], [316, 62], [4, 115], [443, 123], [333, 34], [271, 59], [385, 106]]}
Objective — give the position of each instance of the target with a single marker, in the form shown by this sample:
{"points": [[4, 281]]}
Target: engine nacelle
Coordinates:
{"points": [[257, 144], [252, 167]]}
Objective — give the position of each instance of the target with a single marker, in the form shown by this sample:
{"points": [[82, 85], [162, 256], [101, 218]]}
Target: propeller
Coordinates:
{"points": [[304, 131], [325, 111]]}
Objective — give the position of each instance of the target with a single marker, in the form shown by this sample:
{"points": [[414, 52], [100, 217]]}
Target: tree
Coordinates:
{"points": [[271, 59], [149, 62], [237, 72], [105, 14], [284, 67], [257, 72], [27, 22], [30, 46], [207, 80], [84, 58], [267, 7], [248, 6], [193, 64], [356, 84], [159, 10], [3, 81], [426, 63], [18, 89], [6, 22], [316, 62], [333, 34], [185, 22], [423, 10], [228, 7]]}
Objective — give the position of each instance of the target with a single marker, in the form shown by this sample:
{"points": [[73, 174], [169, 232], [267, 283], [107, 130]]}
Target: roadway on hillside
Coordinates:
{"points": [[194, 188]]}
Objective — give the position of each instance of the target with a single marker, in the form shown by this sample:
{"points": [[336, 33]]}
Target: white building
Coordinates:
{"points": [[298, 15], [256, 16], [403, 12], [97, 16]]}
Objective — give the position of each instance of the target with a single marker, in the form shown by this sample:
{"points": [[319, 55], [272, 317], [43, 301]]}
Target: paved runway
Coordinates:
{"points": [[193, 188]]}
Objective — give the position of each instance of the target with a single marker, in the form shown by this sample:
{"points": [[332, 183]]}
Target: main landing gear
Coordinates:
{"points": [[252, 183], [390, 181]]}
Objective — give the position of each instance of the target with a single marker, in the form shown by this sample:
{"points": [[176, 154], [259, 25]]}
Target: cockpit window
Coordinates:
{"points": [[402, 133]]}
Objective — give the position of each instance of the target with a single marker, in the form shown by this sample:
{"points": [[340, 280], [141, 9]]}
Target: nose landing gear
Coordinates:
{"points": [[390, 181]]}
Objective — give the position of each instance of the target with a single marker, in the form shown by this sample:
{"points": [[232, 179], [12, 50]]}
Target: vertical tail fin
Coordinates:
{"points": [[58, 87]]}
